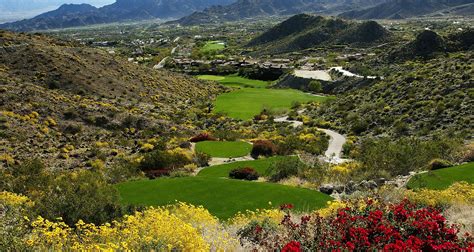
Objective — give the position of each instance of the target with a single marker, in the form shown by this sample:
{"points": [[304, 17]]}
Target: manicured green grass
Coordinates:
{"points": [[443, 178], [224, 149], [222, 197], [213, 46], [211, 77], [235, 81], [222, 171], [247, 102]]}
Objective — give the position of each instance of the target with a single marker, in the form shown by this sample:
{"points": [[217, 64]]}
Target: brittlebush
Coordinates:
{"points": [[180, 227], [458, 193]]}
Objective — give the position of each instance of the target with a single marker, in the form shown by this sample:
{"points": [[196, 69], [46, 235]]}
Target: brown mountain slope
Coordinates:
{"points": [[70, 105]]}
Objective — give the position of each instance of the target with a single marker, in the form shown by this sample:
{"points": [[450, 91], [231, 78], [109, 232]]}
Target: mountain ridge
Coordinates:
{"points": [[256, 8], [304, 31], [121, 10], [400, 9]]}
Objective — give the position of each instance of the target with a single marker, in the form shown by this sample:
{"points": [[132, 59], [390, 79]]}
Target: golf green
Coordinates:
{"points": [[224, 149], [235, 81], [213, 46], [245, 103], [222, 197], [443, 178]]}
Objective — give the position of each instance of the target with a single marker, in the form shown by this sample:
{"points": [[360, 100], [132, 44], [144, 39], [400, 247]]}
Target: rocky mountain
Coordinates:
{"points": [[428, 43], [305, 31], [72, 15], [58, 93], [399, 9], [256, 8]]}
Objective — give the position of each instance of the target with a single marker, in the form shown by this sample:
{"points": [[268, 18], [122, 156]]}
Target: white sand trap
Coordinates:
{"points": [[313, 74]]}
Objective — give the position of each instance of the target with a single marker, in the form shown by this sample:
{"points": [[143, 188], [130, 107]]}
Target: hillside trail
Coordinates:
{"points": [[333, 154]]}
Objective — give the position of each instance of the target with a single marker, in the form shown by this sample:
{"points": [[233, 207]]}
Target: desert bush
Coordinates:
{"points": [[201, 159], [13, 225], [263, 148], [246, 173], [467, 154], [202, 137], [285, 168], [122, 170], [81, 195], [72, 128], [164, 160], [437, 163], [401, 156], [180, 227], [179, 174], [460, 193]]}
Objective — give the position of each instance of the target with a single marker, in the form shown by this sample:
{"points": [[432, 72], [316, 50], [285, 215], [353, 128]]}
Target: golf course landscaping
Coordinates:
{"points": [[213, 46], [245, 103], [213, 189], [224, 149], [222, 171], [221, 196], [443, 178], [235, 81]]}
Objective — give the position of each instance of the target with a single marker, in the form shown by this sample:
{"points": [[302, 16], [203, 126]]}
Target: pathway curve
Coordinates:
{"points": [[334, 152]]}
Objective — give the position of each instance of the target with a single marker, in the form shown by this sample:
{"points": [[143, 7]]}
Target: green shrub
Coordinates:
{"points": [[158, 160], [201, 159], [285, 168], [403, 155], [121, 171], [263, 148]]}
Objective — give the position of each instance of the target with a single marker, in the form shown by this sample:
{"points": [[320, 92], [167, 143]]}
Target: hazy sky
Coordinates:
{"points": [[11, 10]]}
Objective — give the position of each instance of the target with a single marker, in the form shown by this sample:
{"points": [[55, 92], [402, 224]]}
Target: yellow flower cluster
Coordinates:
{"points": [[309, 137], [345, 168], [7, 159], [180, 227], [331, 208], [146, 147], [13, 199], [180, 151], [242, 219], [458, 193]]}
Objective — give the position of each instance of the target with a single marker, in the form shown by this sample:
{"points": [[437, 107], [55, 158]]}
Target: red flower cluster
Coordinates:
{"points": [[286, 206], [293, 246], [388, 227]]}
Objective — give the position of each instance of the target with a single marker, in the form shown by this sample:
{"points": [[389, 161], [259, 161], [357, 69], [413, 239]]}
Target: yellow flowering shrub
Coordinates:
{"points": [[180, 151], [13, 199], [242, 219], [98, 164], [101, 144], [147, 147], [346, 168], [331, 208], [181, 227], [7, 159], [13, 209], [458, 193]]}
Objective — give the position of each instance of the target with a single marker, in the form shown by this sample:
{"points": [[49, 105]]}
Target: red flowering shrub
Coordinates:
{"points": [[246, 173], [201, 138], [263, 148], [293, 246], [369, 227]]}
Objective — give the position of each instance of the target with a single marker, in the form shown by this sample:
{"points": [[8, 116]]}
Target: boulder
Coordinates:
{"points": [[326, 189]]}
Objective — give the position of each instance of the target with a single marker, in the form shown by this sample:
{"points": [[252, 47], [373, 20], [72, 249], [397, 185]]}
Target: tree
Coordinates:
{"points": [[315, 86]]}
